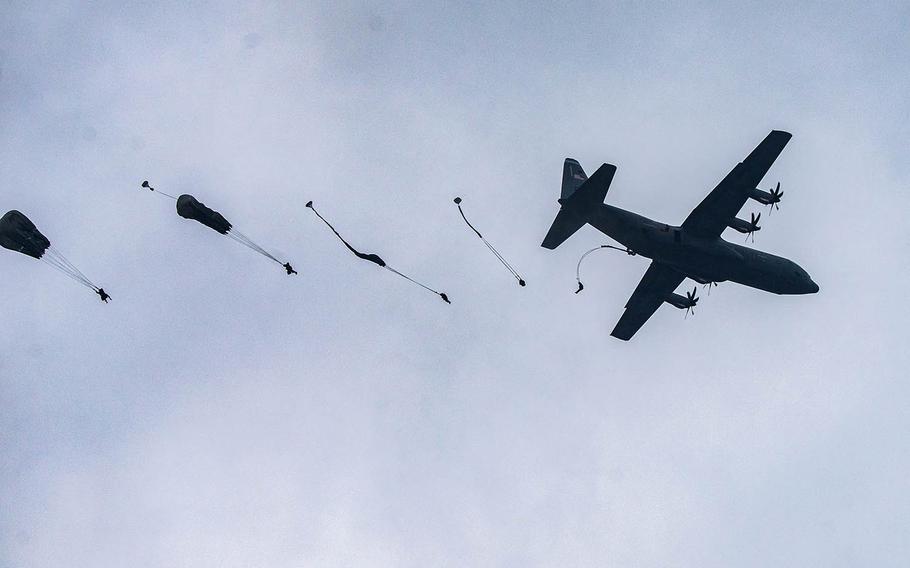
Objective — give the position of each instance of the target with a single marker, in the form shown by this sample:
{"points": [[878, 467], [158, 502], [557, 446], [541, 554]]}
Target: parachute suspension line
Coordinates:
{"points": [[146, 185], [60, 267], [69, 264], [57, 265], [581, 286], [71, 268], [424, 286], [248, 242], [55, 259], [504, 262]]}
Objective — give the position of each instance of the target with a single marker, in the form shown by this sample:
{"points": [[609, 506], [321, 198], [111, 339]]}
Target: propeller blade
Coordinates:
{"points": [[776, 195]]}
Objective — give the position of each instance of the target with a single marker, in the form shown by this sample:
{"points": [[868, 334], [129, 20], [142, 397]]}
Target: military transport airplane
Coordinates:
{"points": [[694, 249]]}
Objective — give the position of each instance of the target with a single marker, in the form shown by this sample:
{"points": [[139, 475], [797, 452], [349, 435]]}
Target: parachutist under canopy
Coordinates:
{"points": [[104, 295], [19, 234], [189, 207]]}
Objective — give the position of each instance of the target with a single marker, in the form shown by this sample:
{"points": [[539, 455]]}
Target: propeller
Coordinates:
{"points": [[691, 300], [753, 226], [710, 285], [776, 195]]}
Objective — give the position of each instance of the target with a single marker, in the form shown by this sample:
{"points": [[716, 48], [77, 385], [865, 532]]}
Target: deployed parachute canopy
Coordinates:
{"points": [[189, 207], [19, 234], [375, 258]]}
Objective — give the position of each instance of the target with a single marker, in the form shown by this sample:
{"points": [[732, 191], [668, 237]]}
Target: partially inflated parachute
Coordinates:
{"points": [[375, 258], [189, 207], [19, 234]]}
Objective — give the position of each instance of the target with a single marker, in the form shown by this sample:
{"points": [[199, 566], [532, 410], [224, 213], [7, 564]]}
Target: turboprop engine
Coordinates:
{"points": [[686, 302], [771, 197], [746, 227]]}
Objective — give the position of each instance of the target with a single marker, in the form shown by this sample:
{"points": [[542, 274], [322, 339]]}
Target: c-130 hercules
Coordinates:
{"points": [[694, 249]]}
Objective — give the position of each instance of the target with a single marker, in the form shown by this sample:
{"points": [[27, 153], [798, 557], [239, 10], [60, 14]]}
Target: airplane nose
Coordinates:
{"points": [[813, 287]]}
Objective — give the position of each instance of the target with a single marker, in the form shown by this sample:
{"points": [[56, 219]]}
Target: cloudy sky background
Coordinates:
{"points": [[219, 413]]}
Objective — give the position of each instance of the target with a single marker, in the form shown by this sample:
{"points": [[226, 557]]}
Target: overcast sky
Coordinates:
{"points": [[220, 413]]}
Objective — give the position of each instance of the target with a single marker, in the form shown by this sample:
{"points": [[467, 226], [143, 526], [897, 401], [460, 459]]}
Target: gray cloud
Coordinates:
{"points": [[220, 413]]}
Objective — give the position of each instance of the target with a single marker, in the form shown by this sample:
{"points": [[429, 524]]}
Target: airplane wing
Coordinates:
{"points": [[658, 282], [711, 216]]}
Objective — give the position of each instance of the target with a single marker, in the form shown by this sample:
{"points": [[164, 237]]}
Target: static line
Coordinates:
{"points": [[581, 286]]}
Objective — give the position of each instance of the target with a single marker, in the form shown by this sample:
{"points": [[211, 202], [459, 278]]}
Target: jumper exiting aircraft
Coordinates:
{"points": [[694, 249]]}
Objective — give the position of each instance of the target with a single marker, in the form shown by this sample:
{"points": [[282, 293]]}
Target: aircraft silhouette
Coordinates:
{"points": [[694, 249]]}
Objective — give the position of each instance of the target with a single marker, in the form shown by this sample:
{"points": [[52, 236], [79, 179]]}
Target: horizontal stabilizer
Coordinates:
{"points": [[563, 227]]}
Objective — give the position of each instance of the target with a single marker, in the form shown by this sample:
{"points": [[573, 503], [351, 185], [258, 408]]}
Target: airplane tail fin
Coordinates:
{"points": [[580, 198], [573, 175]]}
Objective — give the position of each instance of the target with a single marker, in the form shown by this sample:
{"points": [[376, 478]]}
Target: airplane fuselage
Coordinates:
{"points": [[702, 259]]}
